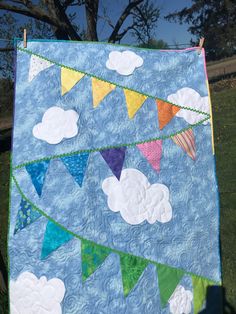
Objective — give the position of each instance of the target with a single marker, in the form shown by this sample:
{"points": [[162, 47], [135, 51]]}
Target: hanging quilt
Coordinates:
{"points": [[114, 201]]}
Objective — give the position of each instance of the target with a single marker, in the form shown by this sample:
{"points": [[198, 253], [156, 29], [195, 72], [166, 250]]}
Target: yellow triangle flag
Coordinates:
{"points": [[68, 79], [134, 101], [100, 90]]}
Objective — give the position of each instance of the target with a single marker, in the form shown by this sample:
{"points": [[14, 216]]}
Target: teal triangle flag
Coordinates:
{"points": [[76, 165], [54, 237], [37, 172], [25, 216]]}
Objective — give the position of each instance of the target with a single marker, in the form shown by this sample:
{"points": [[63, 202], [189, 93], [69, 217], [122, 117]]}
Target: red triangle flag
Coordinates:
{"points": [[166, 112], [152, 152]]}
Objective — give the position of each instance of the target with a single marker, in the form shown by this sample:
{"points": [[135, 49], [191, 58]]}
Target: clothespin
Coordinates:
{"points": [[201, 42], [25, 38]]}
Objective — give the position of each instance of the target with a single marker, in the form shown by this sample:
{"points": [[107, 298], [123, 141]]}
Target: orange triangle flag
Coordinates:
{"points": [[166, 112]]}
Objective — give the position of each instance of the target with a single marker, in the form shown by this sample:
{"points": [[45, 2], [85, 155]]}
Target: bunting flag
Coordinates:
{"points": [[54, 237], [166, 112], [25, 216], [186, 141], [134, 101], [36, 66], [114, 157], [100, 89], [37, 172], [68, 79], [152, 152], [76, 165], [199, 292], [93, 256], [168, 279], [132, 268]]}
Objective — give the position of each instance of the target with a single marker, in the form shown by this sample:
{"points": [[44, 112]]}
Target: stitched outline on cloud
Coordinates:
{"points": [[56, 125]]}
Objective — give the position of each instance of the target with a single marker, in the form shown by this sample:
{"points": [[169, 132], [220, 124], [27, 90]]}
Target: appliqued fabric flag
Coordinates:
{"points": [[109, 211], [76, 165], [54, 237], [166, 112], [186, 141], [133, 101], [152, 151], [69, 78], [36, 66], [100, 90], [25, 216], [114, 157], [37, 172]]}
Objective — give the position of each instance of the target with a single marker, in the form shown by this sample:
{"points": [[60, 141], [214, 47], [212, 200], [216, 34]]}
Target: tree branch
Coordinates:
{"points": [[124, 15], [91, 8], [57, 18], [6, 49]]}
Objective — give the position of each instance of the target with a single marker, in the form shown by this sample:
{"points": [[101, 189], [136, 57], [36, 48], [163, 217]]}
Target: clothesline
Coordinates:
{"points": [[12, 40]]}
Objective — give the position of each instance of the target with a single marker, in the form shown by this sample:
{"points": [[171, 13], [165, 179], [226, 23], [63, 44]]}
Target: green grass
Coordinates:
{"points": [[224, 116]]}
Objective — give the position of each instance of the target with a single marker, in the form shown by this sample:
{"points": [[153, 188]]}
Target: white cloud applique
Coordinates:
{"points": [[124, 62], [188, 97], [57, 124], [136, 199], [28, 295], [181, 301]]}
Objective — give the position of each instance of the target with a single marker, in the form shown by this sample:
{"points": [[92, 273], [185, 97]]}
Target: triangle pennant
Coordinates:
{"points": [[68, 79], [186, 141], [54, 237], [134, 101], [168, 279], [36, 66], [26, 215], [92, 257], [114, 157], [132, 268], [76, 165], [152, 151], [166, 112], [199, 292], [100, 89], [37, 172]]}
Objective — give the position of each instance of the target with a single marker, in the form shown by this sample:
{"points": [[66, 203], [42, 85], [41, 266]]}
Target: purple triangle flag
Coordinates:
{"points": [[114, 157]]}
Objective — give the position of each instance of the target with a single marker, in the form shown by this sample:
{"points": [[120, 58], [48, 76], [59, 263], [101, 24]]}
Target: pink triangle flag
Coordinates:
{"points": [[152, 152]]}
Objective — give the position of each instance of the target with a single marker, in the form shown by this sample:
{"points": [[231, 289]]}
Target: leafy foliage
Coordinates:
{"points": [[155, 44], [214, 20]]}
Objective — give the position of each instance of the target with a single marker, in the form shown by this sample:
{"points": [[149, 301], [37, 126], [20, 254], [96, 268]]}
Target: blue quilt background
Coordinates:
{"points": [[190, 241]]}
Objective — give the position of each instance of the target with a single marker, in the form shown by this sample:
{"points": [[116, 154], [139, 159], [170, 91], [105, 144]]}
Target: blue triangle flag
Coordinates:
{"points": [[25, 216], [54, 237], [76, 165], [37, 172]]}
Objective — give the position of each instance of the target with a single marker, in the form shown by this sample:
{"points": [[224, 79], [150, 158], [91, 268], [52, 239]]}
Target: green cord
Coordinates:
{"points": [[104, 80], [93, 150], [83, 239]]}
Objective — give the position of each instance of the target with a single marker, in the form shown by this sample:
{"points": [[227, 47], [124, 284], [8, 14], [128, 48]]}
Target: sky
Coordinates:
{"points": [[171, 33]]}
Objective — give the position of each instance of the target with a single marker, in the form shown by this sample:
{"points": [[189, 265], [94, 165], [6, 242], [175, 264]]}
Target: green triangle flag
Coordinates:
{"points": [[93, 256], [54, 237], [168, 279], [132, 268], [199, 292]]}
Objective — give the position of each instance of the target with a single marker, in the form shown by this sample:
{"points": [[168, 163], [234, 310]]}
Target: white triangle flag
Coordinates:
{"points": [[36, 66]]}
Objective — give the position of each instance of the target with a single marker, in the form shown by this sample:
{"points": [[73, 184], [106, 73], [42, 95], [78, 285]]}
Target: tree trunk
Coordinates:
{"points": [[91, 7]]}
